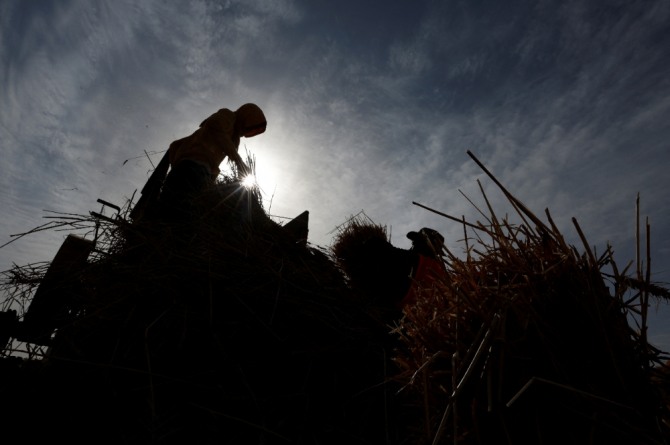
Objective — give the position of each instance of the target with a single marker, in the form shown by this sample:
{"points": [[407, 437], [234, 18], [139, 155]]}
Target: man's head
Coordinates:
{"points": [[250, 120], [427, 242]]}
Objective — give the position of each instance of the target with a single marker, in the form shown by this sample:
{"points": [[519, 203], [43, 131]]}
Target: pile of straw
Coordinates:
{"points": [[529, 341], [216, 329]]}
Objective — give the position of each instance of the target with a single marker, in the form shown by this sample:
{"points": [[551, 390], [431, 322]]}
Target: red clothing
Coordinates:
{"points": [[427, 271]]}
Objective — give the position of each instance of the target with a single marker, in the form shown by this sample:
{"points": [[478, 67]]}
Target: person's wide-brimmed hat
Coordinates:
{"points": [[431, 235]]}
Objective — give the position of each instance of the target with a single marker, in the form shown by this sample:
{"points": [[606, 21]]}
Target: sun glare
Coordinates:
{"points": [[263, 177], [249, 181]]}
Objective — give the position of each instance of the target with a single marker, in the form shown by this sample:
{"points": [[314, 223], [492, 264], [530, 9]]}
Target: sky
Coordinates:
{"points": [[371, 106]]}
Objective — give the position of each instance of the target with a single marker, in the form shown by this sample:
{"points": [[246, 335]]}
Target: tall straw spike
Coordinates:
{"points": [[474, 226], [519, 206], [592, 258]]}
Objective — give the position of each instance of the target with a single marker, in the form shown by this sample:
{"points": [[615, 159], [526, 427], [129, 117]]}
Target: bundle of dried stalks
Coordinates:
{"points": [[349, 253]]}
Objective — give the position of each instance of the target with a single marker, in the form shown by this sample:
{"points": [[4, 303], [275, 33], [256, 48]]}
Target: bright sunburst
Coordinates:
{"points": [[249, 181]]}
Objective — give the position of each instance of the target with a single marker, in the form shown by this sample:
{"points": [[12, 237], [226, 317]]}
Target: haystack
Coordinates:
{"points": [[224, 328]]}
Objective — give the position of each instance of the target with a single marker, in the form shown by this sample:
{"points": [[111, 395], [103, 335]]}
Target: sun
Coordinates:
{"points": [[248, 181]]}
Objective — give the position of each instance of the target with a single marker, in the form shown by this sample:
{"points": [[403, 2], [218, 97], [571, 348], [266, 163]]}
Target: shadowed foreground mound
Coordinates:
{"points": [[231, 329], [224, 330]]}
